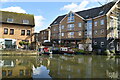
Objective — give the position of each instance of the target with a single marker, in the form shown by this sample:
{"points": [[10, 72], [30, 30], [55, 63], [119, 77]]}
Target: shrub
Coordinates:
{"points": [[81, 51], [21, 43]]}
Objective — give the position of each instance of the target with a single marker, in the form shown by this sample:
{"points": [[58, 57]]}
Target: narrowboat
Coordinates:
{"points": [[66, 50]]}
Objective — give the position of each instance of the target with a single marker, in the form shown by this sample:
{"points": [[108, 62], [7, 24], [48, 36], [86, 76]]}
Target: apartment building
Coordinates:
{"points": [[97, 27], [44, 35], [15, 27]]}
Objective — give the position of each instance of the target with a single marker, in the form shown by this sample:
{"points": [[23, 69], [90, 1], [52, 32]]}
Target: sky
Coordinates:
{"points": [[46, 11]]}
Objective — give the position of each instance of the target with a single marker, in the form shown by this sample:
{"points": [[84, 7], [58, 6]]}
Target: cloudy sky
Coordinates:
{"points": [[45, 11]]}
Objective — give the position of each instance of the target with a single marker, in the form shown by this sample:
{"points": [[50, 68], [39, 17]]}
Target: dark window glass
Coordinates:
{"points": [[28, 32], [5, 31], [21, 72], [9, 72], [3, 73], [25, 40], [22, 32], [11, 31], [27, 72]]}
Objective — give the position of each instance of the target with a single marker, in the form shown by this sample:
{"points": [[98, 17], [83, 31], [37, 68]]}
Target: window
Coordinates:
{"points": [[4, 73], [45, 37], [102, 31], [26, 72], [21, 73], [28, 32], [44, 32], [54, 34], [101, 12], [95, 43], [102, 43], [55, 22], [22, 32], [102, 22], [95, 23], [9, 72], [25, 21], [54, 29], [62, 34], [62, 27], [85, 32], [119, 32], [70, 17], [5, 31], [9, 20], [70, 34], [95, 32], [80, 24], [70, 26], [11, 31], [79, 33], [111, 22]]}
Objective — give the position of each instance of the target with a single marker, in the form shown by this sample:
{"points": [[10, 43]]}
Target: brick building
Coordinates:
{"points": [[97, 27], [15, 27]]}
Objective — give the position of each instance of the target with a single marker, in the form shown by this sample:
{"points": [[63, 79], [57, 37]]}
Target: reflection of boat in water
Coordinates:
{"points": [[45, 50]]}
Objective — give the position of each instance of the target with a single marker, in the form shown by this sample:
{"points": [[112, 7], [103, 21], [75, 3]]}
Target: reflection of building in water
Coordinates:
{"points": [[107, 67], [82, 67], [17, 68], [68, 67]]}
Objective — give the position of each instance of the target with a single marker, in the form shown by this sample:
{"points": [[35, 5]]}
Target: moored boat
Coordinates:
{"points": [[66, 50]]}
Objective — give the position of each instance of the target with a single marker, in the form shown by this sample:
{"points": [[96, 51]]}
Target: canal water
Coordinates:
{"points": [[60, 66]]}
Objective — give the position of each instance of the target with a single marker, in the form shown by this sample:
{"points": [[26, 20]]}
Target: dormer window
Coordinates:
{"points": [[25, 21], [101, 12], [9, 20], [55, 22], [70, 17]]}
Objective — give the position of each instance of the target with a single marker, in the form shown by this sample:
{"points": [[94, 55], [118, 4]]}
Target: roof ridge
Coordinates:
{"points": [[17, 13], [95, 7]]}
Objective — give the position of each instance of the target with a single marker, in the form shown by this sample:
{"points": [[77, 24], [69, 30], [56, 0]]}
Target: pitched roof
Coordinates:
{"points": [[94, 12], [17, 18], [90, 13], [57, 20]]}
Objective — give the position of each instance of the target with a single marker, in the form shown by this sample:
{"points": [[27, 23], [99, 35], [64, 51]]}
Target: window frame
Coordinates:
{"points": [[79, 24], [71, 17], [95, 23], [71, 36], [80, 33], [21, 32], [10, 19], [29, 33], [62, 26], [5, 31], [102, 21], [62, 34], [70, 27], [102, 44], [95, 42], [25, 21], [102, 31], [12, 32], [95, 32]]}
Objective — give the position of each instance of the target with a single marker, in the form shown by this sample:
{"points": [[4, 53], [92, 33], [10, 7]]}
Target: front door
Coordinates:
{"points": [[8, 43]]}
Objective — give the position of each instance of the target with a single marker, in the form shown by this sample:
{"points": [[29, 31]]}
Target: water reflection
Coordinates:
{"points": [[60, 66]]}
